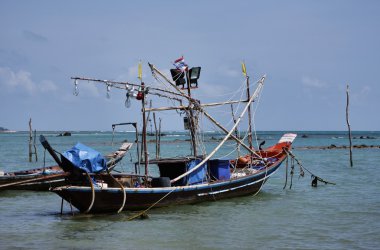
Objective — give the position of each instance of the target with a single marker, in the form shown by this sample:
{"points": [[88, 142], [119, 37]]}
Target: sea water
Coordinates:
{"points": [[341, 216]]}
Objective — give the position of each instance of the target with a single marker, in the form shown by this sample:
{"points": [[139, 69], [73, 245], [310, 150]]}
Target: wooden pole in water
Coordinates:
{"points": [[30, 140], [348, 123], [34, 145]]}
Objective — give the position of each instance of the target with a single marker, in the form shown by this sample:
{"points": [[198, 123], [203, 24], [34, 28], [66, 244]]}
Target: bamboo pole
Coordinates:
{"points": [[122, 85], [348, 123]]}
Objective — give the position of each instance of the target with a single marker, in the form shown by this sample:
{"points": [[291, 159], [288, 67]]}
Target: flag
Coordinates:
{"points": [[140, 71], [180, 64], [243, 69]]}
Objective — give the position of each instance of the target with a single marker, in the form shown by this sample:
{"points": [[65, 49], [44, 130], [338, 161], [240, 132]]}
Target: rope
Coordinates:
{"points": [[302, 168], [92, 194], [122, 190], [286, 172], [291, 172], [262, 183], [146, 210]]}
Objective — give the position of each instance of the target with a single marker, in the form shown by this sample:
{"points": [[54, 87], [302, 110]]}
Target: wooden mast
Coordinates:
{"points": [[249, 116], [142, 96], [145, 148], [192, 118], [249, 107]]}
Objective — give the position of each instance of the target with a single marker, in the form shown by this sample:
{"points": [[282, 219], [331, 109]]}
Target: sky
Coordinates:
{"points": [[309, 50]]}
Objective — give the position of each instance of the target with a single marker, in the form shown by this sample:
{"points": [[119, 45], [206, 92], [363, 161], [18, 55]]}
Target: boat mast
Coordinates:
{"points": [[141, 94], [193, 123], [249, 108], [144, 131]]}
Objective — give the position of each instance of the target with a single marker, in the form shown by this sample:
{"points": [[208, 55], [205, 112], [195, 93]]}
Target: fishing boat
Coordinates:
{"points": [[45, 178], [194, 178]]}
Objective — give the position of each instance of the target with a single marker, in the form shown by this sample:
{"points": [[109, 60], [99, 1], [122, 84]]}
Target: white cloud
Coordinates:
{"points": [[21, 81], [361, 95], [313, 82], [365, 90], [17, 80]]}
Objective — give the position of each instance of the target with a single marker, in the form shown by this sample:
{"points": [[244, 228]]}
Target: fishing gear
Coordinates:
{"points": [[315, 178]]}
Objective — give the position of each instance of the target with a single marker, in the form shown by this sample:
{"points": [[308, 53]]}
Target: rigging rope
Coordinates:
{"points": [[286, 172], [302, 168]]}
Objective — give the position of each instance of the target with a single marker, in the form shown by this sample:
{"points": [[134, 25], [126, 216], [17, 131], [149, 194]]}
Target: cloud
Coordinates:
{"points": [[17, 80], [365, 90], [313, 82], [21, 81], [361, 95], [32, 36]]}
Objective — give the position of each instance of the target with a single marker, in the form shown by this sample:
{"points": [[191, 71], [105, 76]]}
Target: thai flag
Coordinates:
{"points": [[180, 64]]}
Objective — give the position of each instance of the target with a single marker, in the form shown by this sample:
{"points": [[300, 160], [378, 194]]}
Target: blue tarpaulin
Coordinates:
{"points": [[199, 175], [86, 158]]}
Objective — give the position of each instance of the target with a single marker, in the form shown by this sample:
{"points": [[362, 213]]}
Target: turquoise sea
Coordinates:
{"points": [[341, 216]]}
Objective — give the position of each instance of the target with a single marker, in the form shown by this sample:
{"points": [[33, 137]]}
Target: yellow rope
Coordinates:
{"points": [[146, 210]]}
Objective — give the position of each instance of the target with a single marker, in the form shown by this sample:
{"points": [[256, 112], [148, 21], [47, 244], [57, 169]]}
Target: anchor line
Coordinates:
{"points": [[303, 169]]}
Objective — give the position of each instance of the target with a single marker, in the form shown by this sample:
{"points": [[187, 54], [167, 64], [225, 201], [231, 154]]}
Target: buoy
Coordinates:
{"points": [[314, 182]]}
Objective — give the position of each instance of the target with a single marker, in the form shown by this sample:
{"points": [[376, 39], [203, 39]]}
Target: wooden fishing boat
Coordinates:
{"points": [[42, 179], [182, 180], [227, 178]]}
